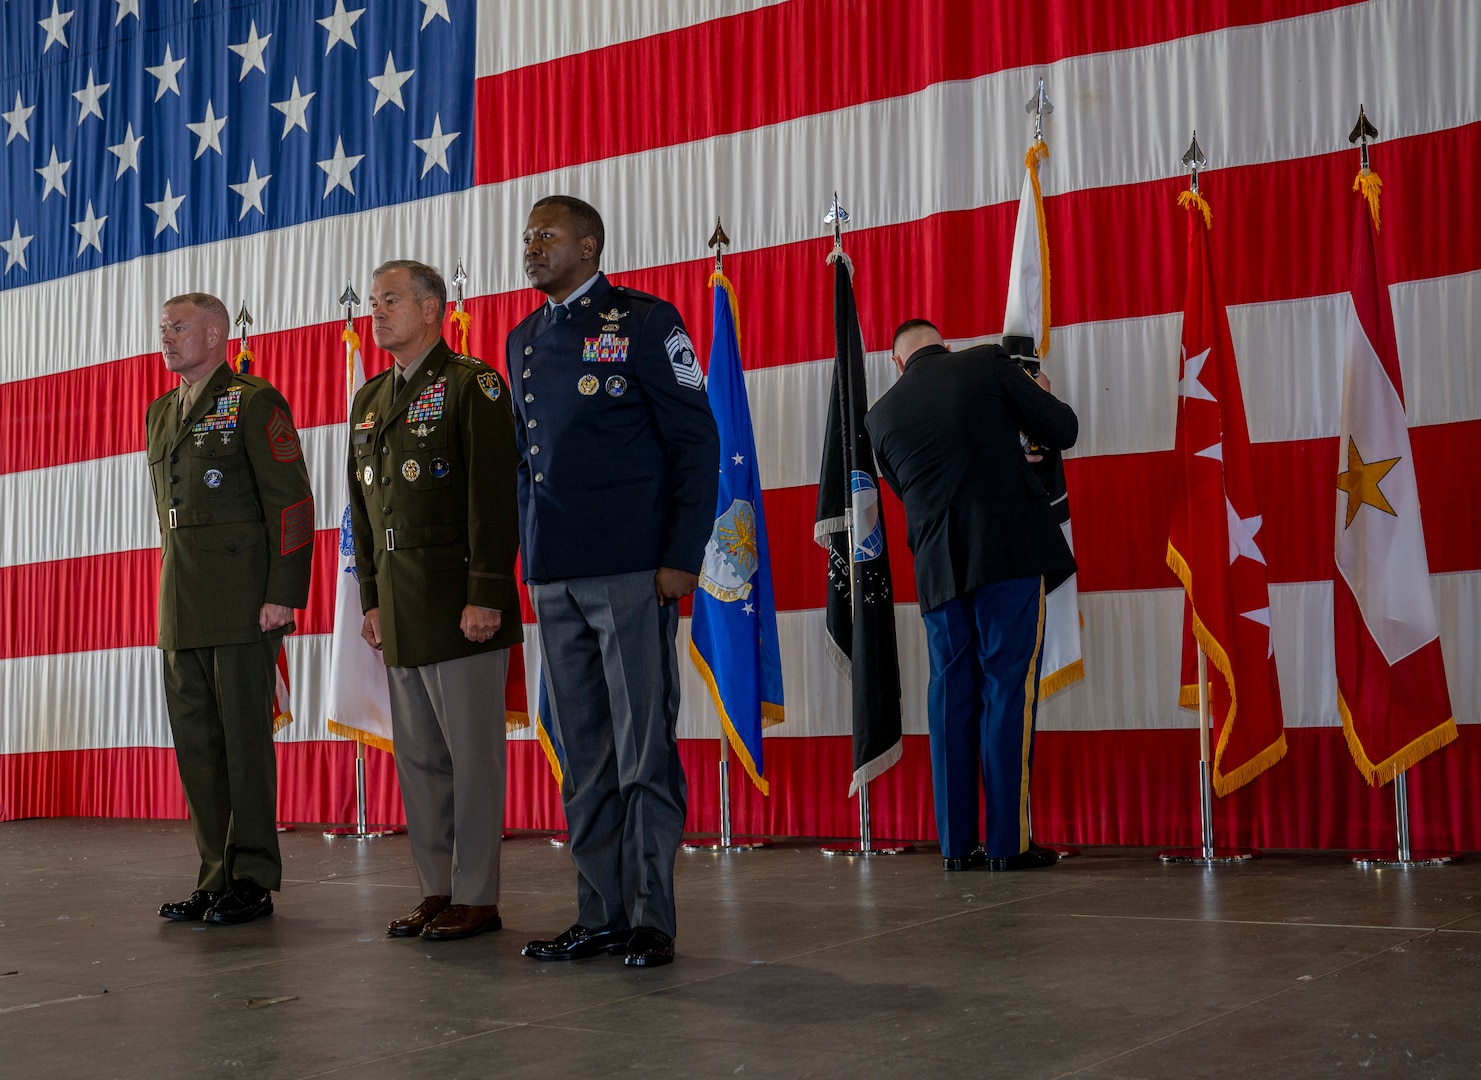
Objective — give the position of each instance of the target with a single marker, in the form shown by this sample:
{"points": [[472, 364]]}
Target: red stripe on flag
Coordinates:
{"points": [[1121, 504], [52, 420], [526, 125]]}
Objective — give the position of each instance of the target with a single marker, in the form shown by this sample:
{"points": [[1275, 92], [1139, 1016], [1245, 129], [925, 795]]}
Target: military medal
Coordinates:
{"points": [[212, 478], [411, 470], [225, 438], [616, 386], [589, 385], [200, 440]]}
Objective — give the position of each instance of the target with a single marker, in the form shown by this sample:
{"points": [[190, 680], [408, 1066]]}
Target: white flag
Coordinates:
{"points": [[359, 701], [1026, 336]]}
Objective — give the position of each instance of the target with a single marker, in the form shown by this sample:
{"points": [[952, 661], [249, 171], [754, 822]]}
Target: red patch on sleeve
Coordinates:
{"points": [[298, 525], [282, 439]]}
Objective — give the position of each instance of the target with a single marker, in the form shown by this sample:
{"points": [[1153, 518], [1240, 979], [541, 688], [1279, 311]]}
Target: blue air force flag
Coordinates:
{"points": [[733, 636]]}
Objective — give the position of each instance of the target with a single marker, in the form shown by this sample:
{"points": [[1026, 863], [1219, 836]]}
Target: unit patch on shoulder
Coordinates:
{"points": [[682, 359], [488, 382], [282, 440]]}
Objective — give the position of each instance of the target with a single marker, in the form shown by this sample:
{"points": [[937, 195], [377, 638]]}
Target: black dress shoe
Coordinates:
{"points": [[1032, 859], [243, 902], [192, 910], [649, 948], [577, 943], [972, 861]]}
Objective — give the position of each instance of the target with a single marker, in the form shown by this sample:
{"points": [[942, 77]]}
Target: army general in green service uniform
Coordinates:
{"points": [[236, 519], [436, 523]]}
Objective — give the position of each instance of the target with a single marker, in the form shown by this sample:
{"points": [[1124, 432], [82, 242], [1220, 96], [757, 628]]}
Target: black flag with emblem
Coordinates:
{"points": [[861, 613]]}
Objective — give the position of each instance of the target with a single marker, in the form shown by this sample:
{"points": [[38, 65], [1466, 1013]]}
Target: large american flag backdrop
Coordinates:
{"points": [[270, 150]]}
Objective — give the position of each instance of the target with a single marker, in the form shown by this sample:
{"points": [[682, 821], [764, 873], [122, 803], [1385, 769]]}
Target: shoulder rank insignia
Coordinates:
{"points": [[488, 382], [613, 315], [682, 359]]}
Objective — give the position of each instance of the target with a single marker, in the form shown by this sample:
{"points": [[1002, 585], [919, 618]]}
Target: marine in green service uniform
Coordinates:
{"points": [[236, 518]]}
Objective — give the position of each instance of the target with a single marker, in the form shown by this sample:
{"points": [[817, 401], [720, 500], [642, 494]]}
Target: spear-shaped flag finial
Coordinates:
{"points": [[1193, 160], [244, 354], [719, 241], [349, 300], [836, 216], [1037, 107], [1363, 130], [460, 279]]}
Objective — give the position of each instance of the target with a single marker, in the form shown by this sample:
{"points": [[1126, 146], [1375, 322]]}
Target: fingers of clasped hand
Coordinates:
{"points": [[673, 585], [273, 616], [370, 629], [480, 624]]}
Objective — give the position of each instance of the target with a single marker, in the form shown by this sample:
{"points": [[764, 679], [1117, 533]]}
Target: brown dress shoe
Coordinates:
{"points": [[411, 925], [463, 920]]}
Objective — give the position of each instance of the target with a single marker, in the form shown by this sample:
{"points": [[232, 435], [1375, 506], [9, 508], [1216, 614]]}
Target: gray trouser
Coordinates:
{"points": [[612, 673], [447, 720]]}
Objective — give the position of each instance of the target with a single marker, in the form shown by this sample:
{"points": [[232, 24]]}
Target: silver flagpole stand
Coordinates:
{"points": [[361, 830], [1404, 859], [865, 848], [1207, 855], [725, 841]]}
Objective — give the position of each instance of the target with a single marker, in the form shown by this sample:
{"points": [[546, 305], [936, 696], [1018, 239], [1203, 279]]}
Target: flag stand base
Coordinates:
{"points": [[1403, 858], [1207, 856], [361, 830], [725, 841], [286, 826], [721, 843], [560, 839], [865, 848], [1377, 861], [1064, 851]]}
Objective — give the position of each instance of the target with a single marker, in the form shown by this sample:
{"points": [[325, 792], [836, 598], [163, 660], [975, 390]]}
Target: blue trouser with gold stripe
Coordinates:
{"points": [[985, 650]]}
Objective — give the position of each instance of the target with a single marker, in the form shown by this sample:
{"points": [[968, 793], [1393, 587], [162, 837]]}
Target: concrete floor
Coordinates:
{"points": [[1109, 965]]}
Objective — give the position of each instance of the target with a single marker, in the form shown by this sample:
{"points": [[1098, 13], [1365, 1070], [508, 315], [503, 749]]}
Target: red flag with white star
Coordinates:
{"points": [[1214, 543], [1391, 687]]}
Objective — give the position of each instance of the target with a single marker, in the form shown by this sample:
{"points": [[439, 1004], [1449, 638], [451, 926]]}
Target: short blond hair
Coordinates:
{"points": [[211, 305]]}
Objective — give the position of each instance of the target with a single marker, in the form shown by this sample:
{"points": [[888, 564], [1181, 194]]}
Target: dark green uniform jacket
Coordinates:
{"points": [[433, 506], [236, 513]]}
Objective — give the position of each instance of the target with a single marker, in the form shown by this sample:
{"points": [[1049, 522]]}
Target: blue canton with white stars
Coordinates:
{"points": [[141, 126]]}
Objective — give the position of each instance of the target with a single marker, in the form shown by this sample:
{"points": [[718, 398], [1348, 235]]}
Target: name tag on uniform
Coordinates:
{"points": [[605, 349]]}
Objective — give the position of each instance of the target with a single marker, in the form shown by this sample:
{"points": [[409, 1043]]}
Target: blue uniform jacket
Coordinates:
{"points": [[619, 457]]}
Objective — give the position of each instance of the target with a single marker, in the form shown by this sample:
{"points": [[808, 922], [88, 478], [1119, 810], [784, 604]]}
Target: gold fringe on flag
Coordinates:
{"points": [[1037, 153], [1191, 200], [721, 280], [344, 731], [243, 361], [351, 339], [1380, 773], [1224, 783], [1370, 187], [463, 321]]}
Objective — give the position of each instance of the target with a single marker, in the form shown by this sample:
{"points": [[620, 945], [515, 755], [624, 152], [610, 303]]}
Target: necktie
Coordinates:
{"points": [[397, 383], [559, 313]]}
